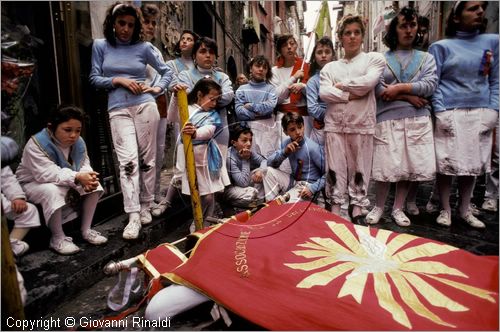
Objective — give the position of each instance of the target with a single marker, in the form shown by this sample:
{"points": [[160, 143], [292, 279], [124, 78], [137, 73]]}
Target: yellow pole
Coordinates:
{"points": [[11, 298], [190, 163]]}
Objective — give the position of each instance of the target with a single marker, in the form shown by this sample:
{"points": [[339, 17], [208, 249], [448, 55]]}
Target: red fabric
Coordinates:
{"points": [[243, 267], [295, 97], [163, 258]]}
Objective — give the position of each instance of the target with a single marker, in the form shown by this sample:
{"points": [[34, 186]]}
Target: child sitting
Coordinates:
{"points": [[15, 207], [246, 169], [306, 159], [55, 172]]}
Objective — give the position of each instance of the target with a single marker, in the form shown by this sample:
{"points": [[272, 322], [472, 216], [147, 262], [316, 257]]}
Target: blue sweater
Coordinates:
{"points": [[240, 170], [461, 85], [262, 98], [315, 106], [423, 84], [125, 60], [313, 162]]}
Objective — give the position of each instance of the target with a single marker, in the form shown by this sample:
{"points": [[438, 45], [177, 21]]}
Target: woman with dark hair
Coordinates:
{"points": [[204, 55], [403, 150], [184, 61], [119, 65], [465, 105], [322, 54], [55, 172], [150, 13], [290, 75], [255, 103]]}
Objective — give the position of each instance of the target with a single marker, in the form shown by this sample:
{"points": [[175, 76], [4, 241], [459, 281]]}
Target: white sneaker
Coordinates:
{"points": [[374, 215], [412, 209], [400, 218], [19, 247], [64, 246], [133, 227], [490, 204], [94, 237], [145, 216], [159, 208], [444, 218], [473, 221], [432, 206], [474, 210]]}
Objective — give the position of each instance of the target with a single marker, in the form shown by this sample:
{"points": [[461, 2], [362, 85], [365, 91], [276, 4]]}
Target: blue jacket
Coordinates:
{"points": [[313, 162]]}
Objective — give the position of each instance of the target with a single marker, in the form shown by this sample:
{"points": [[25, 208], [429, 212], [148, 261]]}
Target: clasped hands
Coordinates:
{"points": [[88, 180]]}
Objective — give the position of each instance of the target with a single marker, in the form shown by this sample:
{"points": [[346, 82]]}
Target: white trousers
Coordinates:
{"points": [[277, 182], [173, 300], [26, 219], [244, 196], [160, 154], [134, 130], [348, 167]]}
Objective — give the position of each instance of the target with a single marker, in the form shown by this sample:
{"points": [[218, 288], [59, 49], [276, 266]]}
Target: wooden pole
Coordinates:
{"points": [[190, 162], [11, 297]]}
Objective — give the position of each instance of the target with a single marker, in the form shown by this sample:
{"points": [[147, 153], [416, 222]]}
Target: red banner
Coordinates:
{"points": [[300, 267]]}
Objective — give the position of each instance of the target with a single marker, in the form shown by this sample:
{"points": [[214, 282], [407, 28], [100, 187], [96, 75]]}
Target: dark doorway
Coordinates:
{"points": [[202, 18]]}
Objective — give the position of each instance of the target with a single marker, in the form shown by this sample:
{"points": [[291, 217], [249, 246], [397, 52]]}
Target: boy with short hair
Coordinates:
{"points": [[306, 159], [245, 168]]}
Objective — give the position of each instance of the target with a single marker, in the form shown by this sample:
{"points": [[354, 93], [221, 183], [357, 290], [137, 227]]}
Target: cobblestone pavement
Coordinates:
{"points": [[91, 303]]}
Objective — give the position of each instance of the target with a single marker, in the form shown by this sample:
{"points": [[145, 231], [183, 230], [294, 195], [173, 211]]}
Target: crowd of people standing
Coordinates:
{"points": [[318, 129]]}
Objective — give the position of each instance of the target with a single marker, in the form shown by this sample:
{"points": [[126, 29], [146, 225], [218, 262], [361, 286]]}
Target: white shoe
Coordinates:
{"points": [[444, 218], [432, 206], [19, 247], [490, 204], [145, 216], [159, 208], [474, 210], [192, 227], [400, 218], [133, 227], [94, 237], [64, 246], [412, 209], [473, 221], [374, 215]]}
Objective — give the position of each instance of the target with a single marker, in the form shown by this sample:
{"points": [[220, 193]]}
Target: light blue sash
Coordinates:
{"points": [[407, 74], [78, 151], [179, 65], [195, 75], [203, 118]]}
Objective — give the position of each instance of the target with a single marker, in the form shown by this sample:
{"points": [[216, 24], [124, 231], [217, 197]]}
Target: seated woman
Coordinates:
{"points": [[55, 172]]}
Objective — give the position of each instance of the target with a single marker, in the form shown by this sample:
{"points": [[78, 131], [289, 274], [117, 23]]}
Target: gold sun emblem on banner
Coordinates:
{"points": [[373, 255]]}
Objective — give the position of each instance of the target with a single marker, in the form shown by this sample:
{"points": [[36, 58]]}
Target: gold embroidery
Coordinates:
{"points": [[376, 256]]}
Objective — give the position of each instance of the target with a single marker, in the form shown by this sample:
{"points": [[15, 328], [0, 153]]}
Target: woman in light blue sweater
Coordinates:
{"points": [[465, 105], [403, 151], [322, 54], [255, 103], [119, 65]]}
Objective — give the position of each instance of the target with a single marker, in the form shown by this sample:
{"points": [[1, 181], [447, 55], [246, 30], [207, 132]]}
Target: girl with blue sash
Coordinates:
{"points": [[403, 144], [55, 172], [204, 125]]}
